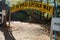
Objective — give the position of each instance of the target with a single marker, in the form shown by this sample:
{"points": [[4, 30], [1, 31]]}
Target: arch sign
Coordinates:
{"points": [[33, 5]]}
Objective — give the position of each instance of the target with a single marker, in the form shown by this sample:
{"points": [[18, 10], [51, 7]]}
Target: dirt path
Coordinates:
{"points": [[28, 31]]}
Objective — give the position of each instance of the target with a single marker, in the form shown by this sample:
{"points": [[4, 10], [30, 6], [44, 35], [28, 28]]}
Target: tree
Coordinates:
{"points": [[58, 0]]}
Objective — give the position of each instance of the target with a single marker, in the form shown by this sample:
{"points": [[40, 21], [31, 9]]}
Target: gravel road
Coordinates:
{"points": [[25, 31]]}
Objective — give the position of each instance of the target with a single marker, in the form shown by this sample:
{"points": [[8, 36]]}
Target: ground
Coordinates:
{"points": [[26, 31]]}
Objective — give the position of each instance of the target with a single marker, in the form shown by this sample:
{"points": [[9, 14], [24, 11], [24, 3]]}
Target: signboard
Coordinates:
{"points": [[33, 5], [55, 25]]}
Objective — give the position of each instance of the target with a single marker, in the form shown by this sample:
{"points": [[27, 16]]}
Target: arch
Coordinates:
{"points": [[33, 5]]}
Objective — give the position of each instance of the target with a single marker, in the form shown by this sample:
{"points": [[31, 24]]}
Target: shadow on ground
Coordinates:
{"points": [[7, 33]]}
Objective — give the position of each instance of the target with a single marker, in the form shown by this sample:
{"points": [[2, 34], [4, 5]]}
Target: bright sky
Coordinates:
{"points": [[0, 0], [14, 2]]}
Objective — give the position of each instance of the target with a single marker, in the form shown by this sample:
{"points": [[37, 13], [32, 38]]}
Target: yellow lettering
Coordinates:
{"points": [[33, 5]]}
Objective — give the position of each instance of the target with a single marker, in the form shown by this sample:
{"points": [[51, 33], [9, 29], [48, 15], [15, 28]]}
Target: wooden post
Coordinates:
{"points": [[56, 15], [32, 14], [47, 13], [4, 10], [9, 17], [51, 32], [40, 11]]}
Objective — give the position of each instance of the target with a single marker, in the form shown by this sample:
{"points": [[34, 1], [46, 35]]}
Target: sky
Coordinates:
{"points": [[14, 2], [0, 0]]}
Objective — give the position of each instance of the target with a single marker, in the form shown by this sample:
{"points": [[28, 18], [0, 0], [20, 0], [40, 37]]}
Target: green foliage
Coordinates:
{"points": [[58, 0], [19, 16], [27, 15]]}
